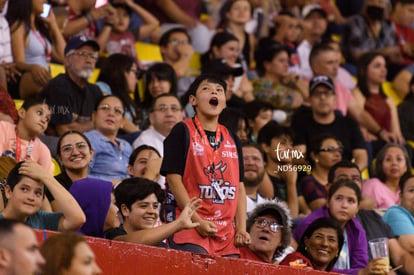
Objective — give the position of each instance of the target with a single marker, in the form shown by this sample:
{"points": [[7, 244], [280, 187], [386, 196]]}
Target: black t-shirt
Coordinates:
{"points": [[120, 231], [66, 98], [344, 129], [176, 149], [64, 180]]}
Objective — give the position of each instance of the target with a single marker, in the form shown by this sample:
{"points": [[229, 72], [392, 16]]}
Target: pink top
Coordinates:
{"points": [[343, 97], [383, 196], [40, 153]]}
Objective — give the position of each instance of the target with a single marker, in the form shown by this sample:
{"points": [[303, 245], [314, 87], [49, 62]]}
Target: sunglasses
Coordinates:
{"points": [[332, 149]]}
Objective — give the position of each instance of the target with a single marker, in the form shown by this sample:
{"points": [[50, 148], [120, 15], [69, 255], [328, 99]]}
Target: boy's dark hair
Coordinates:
{"points": [[133, 189], [122, 6], [166, 36], [344, 183], [252, 109], [209, 78], [341, 164], [15, 177], [404, 2], [59, 143], [154, 101], [273, 130], [317, 50], [138, 150], [32, 101]]}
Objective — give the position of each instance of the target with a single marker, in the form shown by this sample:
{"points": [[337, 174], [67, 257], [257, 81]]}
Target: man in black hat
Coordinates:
{"points": [[72, 99], [324, 119]]}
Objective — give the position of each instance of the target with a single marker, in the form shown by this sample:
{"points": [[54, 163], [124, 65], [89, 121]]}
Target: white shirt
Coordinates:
{"points": [[251, 203], [5, 42], [304, 49]]}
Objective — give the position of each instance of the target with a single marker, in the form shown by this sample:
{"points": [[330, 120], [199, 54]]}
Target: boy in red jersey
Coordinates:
{"points": [[202, 159]]}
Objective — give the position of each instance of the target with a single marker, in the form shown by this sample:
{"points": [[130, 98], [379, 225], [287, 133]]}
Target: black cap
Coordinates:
{"points": [[321, 80], [78, 41], [221, 67]]}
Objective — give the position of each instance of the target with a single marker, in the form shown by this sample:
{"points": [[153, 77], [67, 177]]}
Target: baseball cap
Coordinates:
{"points": [[321, 80], [221, 67], [311, 8], [78, 41]]}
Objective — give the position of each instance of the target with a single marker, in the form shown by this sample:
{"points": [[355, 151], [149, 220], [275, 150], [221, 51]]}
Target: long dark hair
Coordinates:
{"points": [[116, 79], [20, 11], [315, 225], [162, 71], [362, 75], [218, 40]]}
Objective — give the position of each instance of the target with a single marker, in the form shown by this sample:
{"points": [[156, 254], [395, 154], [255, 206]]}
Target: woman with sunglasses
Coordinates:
{"points": [[122, 82], [319, 247], [74, 153], [392, 164], [324, 152]]}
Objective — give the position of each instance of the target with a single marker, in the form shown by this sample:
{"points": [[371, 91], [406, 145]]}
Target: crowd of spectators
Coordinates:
{"points": [[278, 131]]}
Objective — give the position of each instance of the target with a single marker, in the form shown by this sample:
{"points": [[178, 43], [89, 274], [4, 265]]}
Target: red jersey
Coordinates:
{"points": [[213, 177], [246, 253]]}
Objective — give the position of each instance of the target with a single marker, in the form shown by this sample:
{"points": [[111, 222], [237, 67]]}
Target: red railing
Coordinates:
{"points": [[121, 258]]}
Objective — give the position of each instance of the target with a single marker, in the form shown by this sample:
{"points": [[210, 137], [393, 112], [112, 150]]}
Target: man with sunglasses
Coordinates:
{"points": [[323, 118], [269, 228], [71, 97]]}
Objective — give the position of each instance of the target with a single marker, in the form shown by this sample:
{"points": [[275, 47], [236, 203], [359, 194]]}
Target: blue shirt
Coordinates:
{"points": [[400, 220], [109, 161], [43, 220]]}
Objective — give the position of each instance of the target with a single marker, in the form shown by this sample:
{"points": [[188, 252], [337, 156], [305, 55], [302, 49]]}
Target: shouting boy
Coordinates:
{"points": [[208, 165]]}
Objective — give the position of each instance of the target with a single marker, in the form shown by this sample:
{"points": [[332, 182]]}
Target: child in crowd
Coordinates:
{"points": [[138, 200], [25, 193], [21, 141], [207, 165], [122, 40]]}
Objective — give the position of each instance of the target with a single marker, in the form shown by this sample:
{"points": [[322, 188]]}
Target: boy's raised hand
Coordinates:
{"points": [[33, 170], [185, 217]]}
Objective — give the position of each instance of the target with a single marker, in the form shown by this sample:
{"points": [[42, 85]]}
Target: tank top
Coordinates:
{"points": [[38, 50], [199, 175]]}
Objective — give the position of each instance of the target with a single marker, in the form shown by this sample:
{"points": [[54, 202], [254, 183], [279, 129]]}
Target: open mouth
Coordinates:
{"points": [[263, 238], [213, 101]]}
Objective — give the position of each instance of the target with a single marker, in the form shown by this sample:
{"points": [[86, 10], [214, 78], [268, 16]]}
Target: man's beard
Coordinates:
{"points": [[254, 181], [85, 73]]}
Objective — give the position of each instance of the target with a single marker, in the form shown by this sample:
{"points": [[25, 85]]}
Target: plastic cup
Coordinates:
{"points": [[379, 249]]}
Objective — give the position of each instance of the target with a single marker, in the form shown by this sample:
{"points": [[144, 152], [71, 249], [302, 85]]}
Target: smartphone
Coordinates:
{"points": [[100, 3], [46, 10]]}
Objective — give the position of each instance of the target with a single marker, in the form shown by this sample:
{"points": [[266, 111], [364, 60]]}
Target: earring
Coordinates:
{"points": [[306, 248], [316, 160]]}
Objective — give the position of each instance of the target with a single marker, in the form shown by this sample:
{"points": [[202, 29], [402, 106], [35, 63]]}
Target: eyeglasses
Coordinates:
{"points": [[165, 108], [106, 108], [332, 149], [176, 42], [262, 223], [68, 148], [85, 54]]}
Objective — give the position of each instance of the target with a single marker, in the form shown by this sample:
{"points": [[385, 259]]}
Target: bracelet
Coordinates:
{"points": [[89, 18], [379, 131]]}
